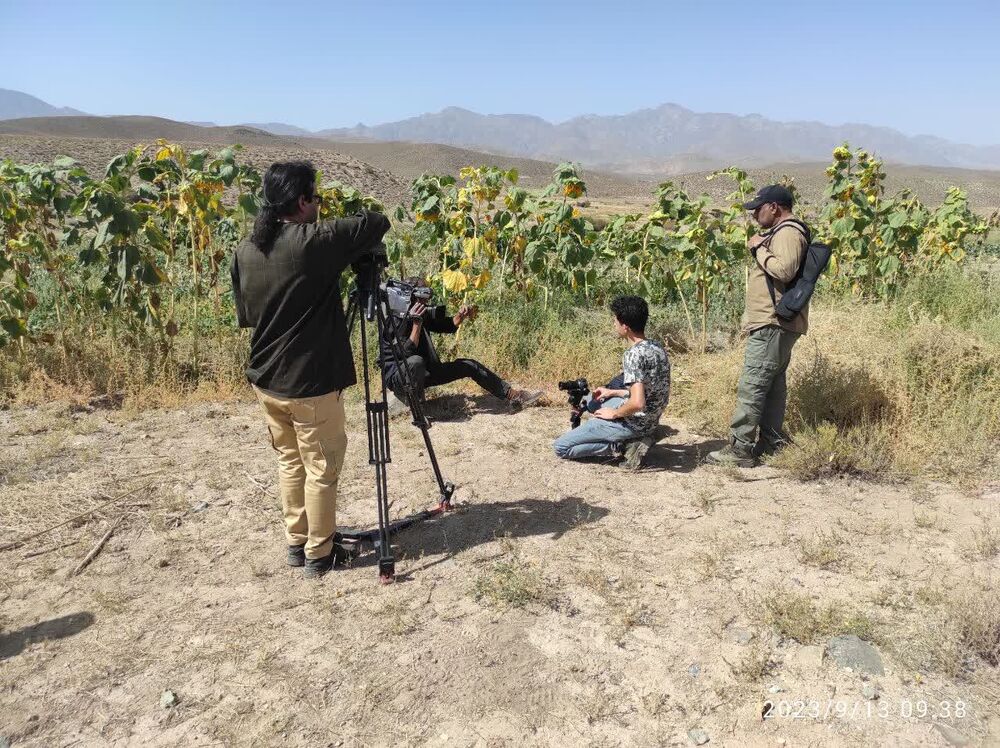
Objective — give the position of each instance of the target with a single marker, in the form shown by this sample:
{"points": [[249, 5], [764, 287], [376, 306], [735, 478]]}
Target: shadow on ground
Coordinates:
{"points": [[458, 407], [471, 525], [679, 458], [15, 642]]}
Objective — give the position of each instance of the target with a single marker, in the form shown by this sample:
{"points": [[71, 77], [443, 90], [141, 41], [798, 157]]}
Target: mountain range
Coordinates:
{"points": [[15, 104], [668, 139]]}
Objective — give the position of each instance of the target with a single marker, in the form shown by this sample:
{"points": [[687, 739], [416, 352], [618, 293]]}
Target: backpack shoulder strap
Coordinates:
{"points": [[767, 279], [794, 223], [802, 229]]}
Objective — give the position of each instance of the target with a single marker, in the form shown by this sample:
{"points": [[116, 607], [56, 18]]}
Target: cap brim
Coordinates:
{"points": [[754, 204]]}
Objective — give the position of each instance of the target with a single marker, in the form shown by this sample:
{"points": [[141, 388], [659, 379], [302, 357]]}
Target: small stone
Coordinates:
{"points": [[953, 736], [199, 507], [775, 689], [168, 699], [698, 737], [162, 563], [695, 670], [870, 691], [851, 652]]}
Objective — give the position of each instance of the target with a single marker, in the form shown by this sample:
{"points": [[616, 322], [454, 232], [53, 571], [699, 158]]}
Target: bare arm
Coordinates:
{"points": [[636, 394]]}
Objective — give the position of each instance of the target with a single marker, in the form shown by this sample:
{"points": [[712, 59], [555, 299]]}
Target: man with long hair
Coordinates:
{"points": [[286, 285]]}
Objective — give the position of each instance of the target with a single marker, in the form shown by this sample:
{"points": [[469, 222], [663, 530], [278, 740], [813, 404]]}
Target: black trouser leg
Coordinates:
{"points": [[463, 368], [417, 368]]}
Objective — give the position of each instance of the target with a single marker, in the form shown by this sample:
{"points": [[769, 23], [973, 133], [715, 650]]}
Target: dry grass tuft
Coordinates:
{"points": [[756, 665], [956, 632], [512, 582], [825, 452], [799, 617], [984, 544], [823, 550]]}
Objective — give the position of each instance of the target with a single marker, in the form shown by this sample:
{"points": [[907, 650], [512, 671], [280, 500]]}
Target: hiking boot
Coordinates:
{"points": [[730, 456], [317, 567], [296, 555], [523, 398], [635, 452]]}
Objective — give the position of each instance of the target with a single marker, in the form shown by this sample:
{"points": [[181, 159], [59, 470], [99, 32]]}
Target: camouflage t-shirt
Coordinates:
{"points": [[648, 363]]}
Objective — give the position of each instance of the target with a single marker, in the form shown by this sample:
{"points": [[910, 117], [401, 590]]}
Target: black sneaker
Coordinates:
{"points": [[317, 567], [296, 555]]}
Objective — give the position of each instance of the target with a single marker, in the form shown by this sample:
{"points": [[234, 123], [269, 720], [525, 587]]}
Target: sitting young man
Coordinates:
{"points": [[425, 368], [624, 424]]}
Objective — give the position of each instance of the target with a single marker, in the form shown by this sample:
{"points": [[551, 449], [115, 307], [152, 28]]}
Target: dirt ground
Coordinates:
{"points": [[559, 604]]}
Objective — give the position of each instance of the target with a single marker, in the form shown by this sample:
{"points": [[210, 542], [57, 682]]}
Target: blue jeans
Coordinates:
{"points": [[594, 437]]}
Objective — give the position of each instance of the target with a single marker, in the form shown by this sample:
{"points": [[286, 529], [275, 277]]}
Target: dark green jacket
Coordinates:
{"points": [[291, 296]]}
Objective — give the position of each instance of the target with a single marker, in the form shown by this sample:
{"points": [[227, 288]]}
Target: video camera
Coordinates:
{"points": [[402, 296], [577, 389]]}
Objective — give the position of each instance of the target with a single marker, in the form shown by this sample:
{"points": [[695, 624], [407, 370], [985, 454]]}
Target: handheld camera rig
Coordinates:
{"points": [[577, 389]]}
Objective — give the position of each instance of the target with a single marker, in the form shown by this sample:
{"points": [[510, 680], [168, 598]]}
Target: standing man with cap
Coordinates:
{"points": [[778, 252], [286, 285]]}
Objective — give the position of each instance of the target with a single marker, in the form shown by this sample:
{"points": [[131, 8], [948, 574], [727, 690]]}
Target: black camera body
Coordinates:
{"points": [[400, 297], [367, 270], [576, 389]]}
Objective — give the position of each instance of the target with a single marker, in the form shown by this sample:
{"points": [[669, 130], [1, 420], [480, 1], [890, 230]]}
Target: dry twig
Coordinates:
{"points": [[51, 548], [260, 485], [97, 548]]}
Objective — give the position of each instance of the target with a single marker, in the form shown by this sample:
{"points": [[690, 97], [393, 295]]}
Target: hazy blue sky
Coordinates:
{"points": [[919, 66]]}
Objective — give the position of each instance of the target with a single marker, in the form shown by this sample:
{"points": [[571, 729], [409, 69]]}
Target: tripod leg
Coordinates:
{"points": [[420, 420], [378, 455]]}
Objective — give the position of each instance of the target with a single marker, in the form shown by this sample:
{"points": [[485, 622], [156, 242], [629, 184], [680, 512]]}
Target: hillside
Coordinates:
{"points": [[132, 127], [410, 160], [14, 104], [95, 153], [385, 169], [95, 140]]}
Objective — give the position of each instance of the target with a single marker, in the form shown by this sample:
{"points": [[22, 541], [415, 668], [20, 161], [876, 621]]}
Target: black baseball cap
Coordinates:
{"points": [[773, 193]]}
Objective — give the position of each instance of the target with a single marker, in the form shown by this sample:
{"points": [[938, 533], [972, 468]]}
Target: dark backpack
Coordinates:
{"points": [[800, 289]]}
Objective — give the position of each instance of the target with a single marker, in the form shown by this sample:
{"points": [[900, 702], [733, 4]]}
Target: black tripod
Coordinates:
{"points": [[369, 297]]}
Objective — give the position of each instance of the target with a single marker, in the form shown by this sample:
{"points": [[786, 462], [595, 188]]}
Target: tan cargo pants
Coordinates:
{"points": [[308, 435]]}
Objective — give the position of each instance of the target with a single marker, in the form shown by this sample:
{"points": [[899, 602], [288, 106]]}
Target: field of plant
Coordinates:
{"points": [[118, 285], [145, 247]]}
